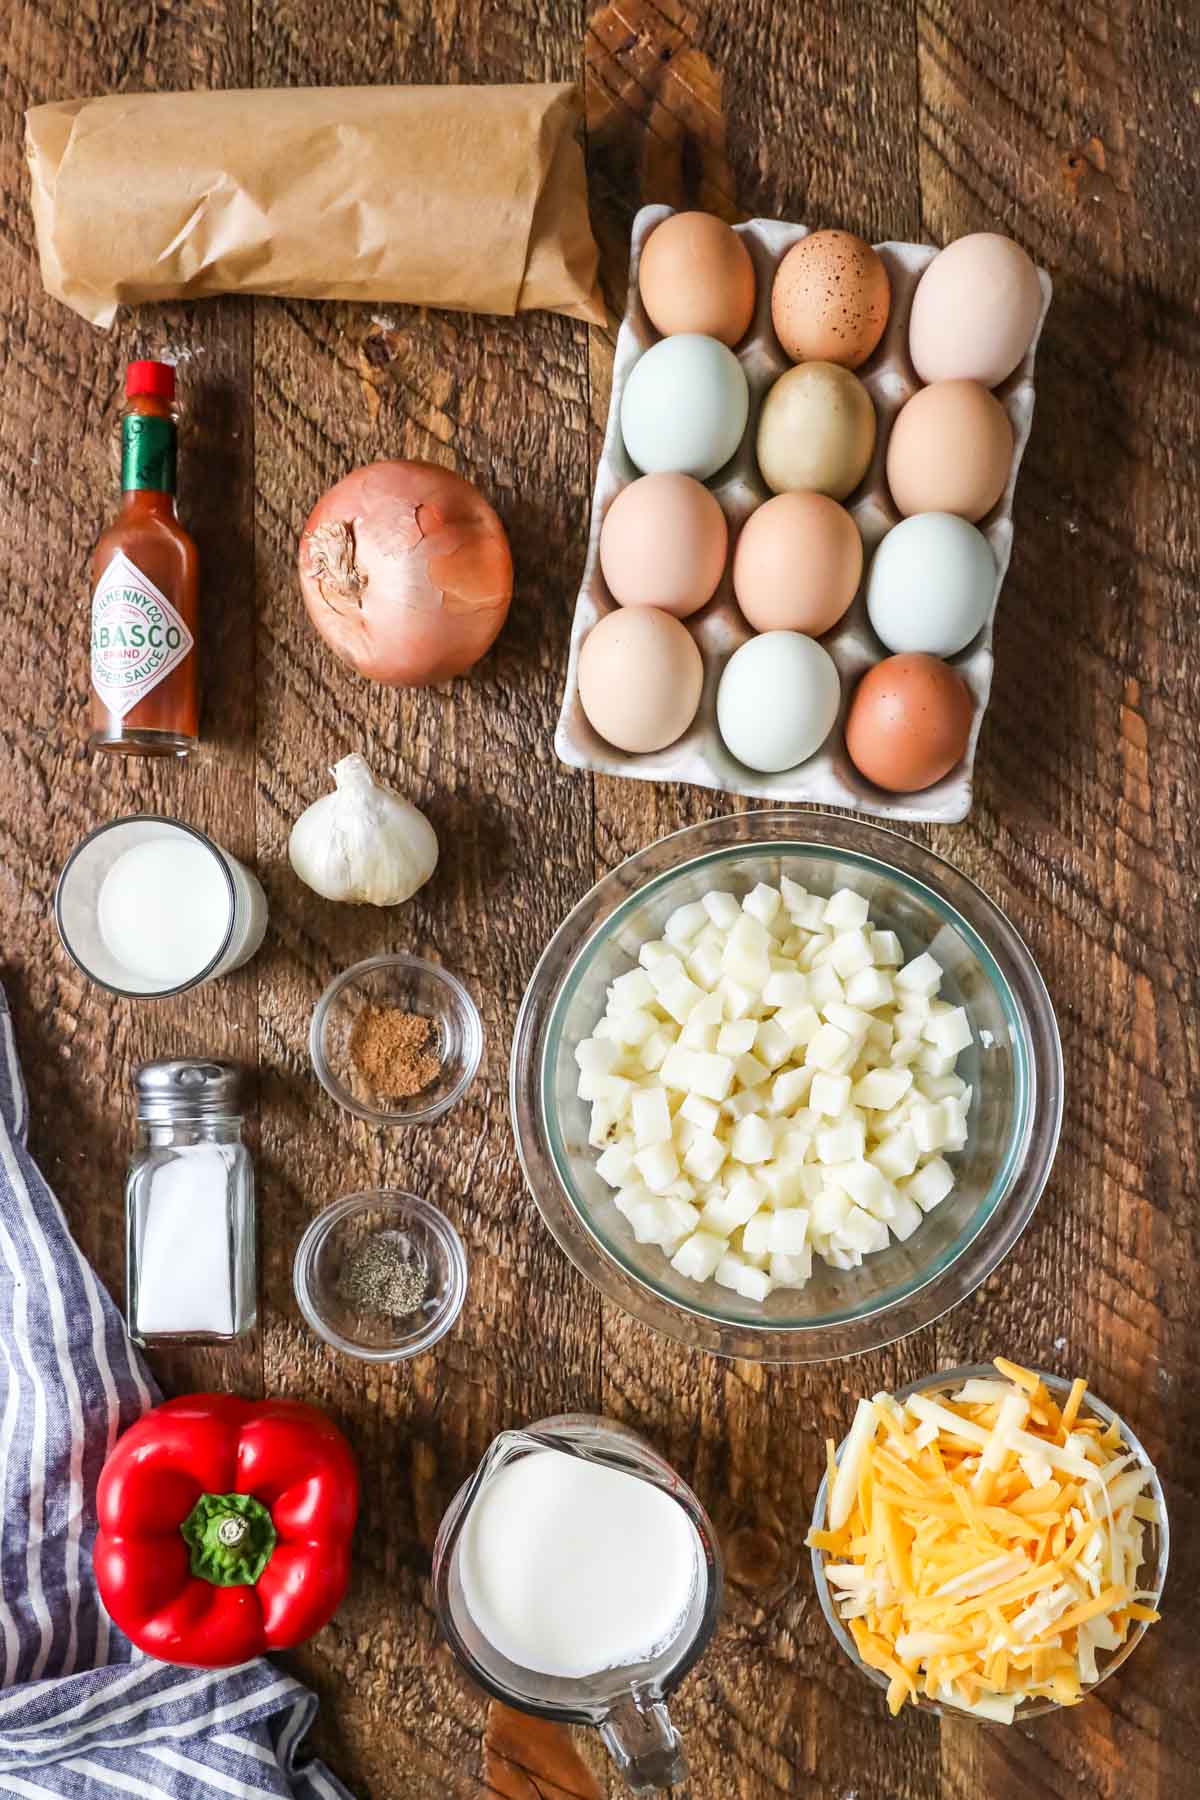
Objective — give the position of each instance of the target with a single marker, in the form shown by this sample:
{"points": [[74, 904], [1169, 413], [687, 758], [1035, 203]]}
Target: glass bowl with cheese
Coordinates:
{"points": [[990, 1542], [707, 1143]]}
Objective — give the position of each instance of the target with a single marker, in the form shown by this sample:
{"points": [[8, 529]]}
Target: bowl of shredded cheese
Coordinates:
{"points": [[990, 1541]]}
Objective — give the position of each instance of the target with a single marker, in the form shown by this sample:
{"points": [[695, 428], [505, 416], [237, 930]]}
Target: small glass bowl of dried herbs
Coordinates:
{"points": [[380, 1275], [396, 1040]]}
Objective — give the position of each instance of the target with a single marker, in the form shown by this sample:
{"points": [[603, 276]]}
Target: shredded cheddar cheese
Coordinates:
{"points": [[983, 1546]]}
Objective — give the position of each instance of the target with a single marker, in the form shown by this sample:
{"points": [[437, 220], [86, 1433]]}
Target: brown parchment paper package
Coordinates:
{"points": [[473, 198]]}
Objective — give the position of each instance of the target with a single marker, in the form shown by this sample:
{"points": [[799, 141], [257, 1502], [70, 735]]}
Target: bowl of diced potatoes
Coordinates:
{"points": [[786, 1086]]}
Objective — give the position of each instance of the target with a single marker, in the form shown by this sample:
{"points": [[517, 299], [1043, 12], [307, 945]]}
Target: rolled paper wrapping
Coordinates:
{"points": [[472, 198]]}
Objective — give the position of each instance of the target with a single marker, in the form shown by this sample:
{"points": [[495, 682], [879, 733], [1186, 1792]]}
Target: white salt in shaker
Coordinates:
{"points": [[189, 1207]]}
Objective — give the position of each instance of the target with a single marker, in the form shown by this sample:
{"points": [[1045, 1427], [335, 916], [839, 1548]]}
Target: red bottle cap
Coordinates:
{"points": [[157, 378]]}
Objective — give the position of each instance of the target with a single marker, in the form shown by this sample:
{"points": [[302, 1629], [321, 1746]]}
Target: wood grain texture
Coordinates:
{"points": [[1076, 129]]}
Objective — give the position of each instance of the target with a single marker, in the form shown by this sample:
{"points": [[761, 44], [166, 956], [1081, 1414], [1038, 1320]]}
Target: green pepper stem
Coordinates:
{"points": [[230, 1537]]}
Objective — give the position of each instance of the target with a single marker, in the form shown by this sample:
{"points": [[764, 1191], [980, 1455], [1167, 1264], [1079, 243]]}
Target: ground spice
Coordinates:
{"points": [[397, 1052], [379, 1276]]}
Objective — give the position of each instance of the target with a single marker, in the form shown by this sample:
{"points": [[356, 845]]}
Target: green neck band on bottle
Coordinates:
{"points": [[148, 453]]}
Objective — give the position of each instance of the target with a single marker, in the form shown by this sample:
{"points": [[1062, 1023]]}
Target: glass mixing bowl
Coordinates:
{"points": [[1014, 1065], [1151, 1577]]}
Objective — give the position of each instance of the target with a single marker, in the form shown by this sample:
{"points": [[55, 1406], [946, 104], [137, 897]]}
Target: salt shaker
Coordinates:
{"points": [[189, 1207]]}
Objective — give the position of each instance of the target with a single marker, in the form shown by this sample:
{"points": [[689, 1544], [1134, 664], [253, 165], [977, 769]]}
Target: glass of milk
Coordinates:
{"points": [[148, 906], [577, 1577]]}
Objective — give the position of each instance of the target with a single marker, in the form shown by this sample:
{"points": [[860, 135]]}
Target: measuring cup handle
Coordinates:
{"points": [[644, 1744]]}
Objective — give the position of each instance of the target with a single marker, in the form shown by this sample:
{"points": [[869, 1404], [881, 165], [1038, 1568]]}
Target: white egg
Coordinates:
{"points": [[777, 700], [931, 584], [685, 407]]}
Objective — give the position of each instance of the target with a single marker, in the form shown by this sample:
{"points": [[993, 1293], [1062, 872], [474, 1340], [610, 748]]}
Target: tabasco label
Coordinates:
{"points": [[137, 636]]}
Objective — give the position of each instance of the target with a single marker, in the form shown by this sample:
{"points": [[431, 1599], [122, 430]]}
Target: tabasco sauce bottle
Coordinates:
{"points": [[144, 575]]}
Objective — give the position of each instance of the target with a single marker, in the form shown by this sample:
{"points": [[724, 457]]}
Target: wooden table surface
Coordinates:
{"points": [[1075, 128]]}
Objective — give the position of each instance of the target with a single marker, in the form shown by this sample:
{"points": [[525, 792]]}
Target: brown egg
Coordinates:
{"points": [[909, 722], [798, 564], [640, 676], [816, 431], [695, 274], [663, 543], [830, 300], [950, 451]]}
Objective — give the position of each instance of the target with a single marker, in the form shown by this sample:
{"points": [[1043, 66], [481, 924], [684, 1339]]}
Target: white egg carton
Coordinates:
{"points": [[829, 778]]}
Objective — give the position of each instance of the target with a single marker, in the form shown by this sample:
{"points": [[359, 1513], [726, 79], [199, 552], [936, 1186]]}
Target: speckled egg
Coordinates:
{"points": [[830, 299], [909, 723]]}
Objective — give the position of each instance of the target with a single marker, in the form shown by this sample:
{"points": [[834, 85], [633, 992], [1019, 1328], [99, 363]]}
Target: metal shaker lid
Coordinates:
{"points": [[189, 1087]]}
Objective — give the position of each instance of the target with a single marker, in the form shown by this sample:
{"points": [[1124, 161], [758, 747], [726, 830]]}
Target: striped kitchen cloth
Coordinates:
{"points": [[82, 1712]]}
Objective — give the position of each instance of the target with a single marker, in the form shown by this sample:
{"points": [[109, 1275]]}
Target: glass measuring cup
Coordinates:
{"points": [[626, 1704]]}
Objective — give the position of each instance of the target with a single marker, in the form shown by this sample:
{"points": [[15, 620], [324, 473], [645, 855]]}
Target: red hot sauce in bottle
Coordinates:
{"points": [[144, 595]]}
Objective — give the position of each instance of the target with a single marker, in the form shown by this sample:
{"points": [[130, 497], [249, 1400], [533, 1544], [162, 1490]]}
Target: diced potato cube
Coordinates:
{"points": [[633, 1028], [869, 989], [904, 1052], [790, 1089], [743, 1103], [933, 1062], [657, 1047], [791, 1271], [845, 910], [883, 1204], [859, 1231], [753, 1284], [698, 1072], [824, 985], [788, 1231], [905, 1218], [668, 969], [654, 952], [921, 976], [827, 1210], [750, 937], [651, 1117], [792, 1146], [702, 1113], [827, 1048], [684, 924], [929, 1125], [630, 991], [698, 1034], [754, 1235], [841, 1257], [704, 1155], [948, 1032], [603, 1124], [679, 996], [752, 1140], [849, 1019], [682, 1189], [772, 1044], [658, 1167], [897, 1156], [730, 1268], [615, 1165], [762, 903], [737, 1037], [786, 988], [738, 1000], [930, 1185], [704, 966], [886, 949], [829, 1094], [750, 1072], [677, 1218], [861, 1180], [596, 1055], [783, 1185], [882, 1089], [799, 1024], [632, 1194], [812, 1182], [741, 1200], [841, 1143], [942, 1087], [722, 909], [698, 1255], [851, 953], [792, 893], [954, 1118]]}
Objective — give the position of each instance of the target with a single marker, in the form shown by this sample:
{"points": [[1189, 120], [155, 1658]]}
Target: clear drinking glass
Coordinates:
{"points": [[626, 1704], [77, 907]]}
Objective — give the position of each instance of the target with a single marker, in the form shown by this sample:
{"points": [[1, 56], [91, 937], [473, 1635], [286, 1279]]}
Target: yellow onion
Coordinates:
{"points": [[406, 572]]}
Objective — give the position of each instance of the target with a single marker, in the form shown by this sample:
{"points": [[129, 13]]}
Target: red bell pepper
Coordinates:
{"points": [[225, 1527]]}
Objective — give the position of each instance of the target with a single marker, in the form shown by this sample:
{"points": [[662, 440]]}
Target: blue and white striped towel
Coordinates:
{"points": [[82, 1712]]}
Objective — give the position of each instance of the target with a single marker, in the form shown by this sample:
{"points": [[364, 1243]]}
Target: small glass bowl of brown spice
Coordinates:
{"points": [[396, 1040], [380, 1275]]}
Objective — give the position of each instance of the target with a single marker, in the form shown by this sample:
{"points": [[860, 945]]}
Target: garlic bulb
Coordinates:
{"points": [[364, 843]]}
